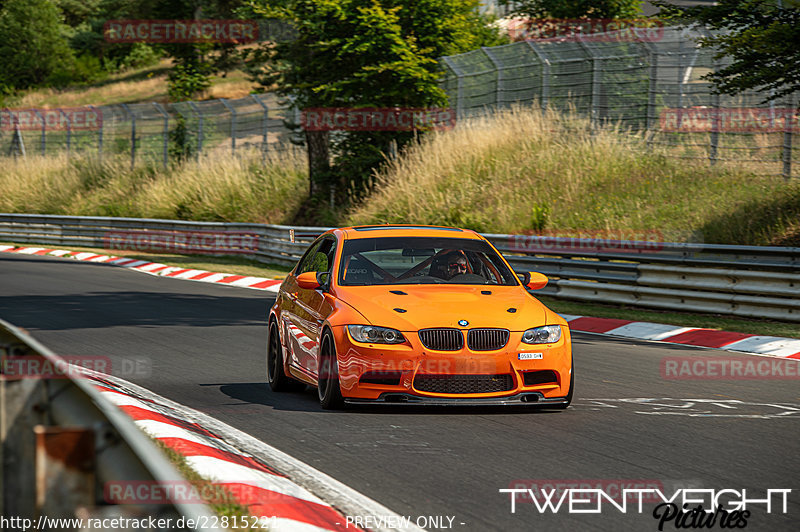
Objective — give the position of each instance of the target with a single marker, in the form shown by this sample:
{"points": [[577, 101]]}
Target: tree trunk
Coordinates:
{"points": [[319, 162]]}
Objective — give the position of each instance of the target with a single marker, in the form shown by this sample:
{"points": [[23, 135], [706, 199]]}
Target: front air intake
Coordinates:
{"points": [[442, 339]]}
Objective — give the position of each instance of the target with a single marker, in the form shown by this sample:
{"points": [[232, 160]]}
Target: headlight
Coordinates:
{"points": [[549, 334], [370, 334]]}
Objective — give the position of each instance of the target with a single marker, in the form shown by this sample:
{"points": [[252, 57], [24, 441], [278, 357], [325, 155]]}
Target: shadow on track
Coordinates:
{"points": [[306, 401]]}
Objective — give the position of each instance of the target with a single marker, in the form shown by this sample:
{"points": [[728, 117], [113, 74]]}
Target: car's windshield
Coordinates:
{"points": [[420, 260]]}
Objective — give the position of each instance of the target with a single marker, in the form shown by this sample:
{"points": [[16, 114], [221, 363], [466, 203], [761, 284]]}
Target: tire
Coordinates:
{"points": [[563, 406], [277, 379], [329, 391]]}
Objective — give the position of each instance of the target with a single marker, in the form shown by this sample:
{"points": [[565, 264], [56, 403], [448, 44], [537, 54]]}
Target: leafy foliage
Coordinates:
{"points": [[577, 8], [33, 46], [759, 36], [362, 53]]}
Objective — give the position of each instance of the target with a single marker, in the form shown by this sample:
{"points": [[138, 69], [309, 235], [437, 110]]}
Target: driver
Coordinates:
{"points": [[456, 265]]}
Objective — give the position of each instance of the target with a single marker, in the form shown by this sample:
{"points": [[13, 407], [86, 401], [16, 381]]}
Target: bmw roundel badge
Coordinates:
{"points": [[463, 323]]}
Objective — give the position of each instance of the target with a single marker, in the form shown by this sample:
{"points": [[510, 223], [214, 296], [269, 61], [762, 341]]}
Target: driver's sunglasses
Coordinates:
{"points": [[458, 266]]}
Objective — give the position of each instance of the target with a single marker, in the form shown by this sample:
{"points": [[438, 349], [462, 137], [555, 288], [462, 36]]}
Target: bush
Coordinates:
{"points": [[33, 45]]}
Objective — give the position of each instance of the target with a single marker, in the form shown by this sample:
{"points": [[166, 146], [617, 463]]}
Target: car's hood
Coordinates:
{"points": [[444, 306]]}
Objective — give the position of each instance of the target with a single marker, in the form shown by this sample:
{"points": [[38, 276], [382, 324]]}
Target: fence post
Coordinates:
{"points": [[264, 118], [545, 90], [233, 124], [459, 87], [499, 90], [199, 127], [43, 140], [594, 110], [69, 131], [789, 122], [133, 133], [714, 138], [166, 131], [99, 131]]}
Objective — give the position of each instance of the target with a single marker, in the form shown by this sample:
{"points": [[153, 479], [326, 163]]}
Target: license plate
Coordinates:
{"points": [[530, 356]]}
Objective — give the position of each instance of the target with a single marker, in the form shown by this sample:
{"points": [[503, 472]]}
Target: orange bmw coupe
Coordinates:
{"points": [[416, 314]]}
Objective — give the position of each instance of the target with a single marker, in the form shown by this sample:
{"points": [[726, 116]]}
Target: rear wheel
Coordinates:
{"points": [[330, 394], [277, 379]]}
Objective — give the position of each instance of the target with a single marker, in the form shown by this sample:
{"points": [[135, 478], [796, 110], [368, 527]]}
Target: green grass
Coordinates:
{"points": [[146, 84], [218, 187], [521, 171]]}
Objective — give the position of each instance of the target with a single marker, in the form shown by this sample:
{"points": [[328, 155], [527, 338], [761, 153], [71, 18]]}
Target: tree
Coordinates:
{"points": [[759, 37], [33, 48], [362, 53], [577, 8]]}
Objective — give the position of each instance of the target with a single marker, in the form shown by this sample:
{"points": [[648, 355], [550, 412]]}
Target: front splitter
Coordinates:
{"points": [[524, 398]]}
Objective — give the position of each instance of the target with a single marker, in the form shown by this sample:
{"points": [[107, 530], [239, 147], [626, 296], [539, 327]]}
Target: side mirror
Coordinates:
{"points": [[536, 280], [308, 281], [323, 278]]}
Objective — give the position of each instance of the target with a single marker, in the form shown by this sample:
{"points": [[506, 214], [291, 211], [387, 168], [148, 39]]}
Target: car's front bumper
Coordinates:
{"points": [[412, 360]]}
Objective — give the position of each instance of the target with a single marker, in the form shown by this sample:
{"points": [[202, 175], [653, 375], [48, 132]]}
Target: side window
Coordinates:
{"points": [[319, 258], [308, 259]]}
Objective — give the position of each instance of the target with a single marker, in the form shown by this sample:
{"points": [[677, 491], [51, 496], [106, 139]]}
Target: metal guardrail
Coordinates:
{"points": [[751, 281], [62, 441]]}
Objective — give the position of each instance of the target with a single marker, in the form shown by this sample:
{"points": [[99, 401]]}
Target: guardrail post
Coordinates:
{"points": [[264, 126], [69, 130], [233, 124], [65, 470], [166, 131], [99, 133], [43, 141], [133, 133]]}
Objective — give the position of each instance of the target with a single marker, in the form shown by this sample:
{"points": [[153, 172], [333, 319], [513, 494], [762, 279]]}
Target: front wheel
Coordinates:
{"points": [[330, 393], [564, 406], [277, 379]]}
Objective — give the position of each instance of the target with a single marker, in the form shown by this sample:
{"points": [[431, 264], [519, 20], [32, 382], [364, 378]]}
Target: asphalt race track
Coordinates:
{"points": [[204, 346]]}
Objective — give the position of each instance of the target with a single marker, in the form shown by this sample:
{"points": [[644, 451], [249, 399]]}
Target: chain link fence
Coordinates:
{"points": [[646, 80], [149, 131]]}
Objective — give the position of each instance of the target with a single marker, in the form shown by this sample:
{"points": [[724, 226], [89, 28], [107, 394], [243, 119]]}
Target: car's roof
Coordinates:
{"points": [[383, 231]]}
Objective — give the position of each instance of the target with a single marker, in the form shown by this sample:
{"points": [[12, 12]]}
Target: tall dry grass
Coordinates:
{"points": [[521, 171], [222, 188]]}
